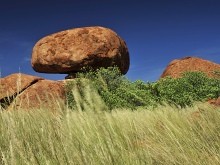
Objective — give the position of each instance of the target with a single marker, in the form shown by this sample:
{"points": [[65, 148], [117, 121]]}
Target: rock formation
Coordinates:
{"points": [[63, 52], [177, 67], [14, 84], [43, 94], [69, 51], [25, 91]]}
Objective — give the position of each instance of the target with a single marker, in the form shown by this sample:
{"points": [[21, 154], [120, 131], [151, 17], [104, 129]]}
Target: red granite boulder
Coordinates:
{"points": [[43, 94], [177, 67], [70, 50], [14, 84], [21, 91]]}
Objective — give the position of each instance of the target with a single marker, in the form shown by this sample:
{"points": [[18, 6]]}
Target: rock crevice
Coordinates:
{"points": [[13, 85]]}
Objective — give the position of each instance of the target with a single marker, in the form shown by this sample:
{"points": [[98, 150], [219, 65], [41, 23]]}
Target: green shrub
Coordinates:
{"points": [[81, 95], [175, 91], [192, 86], [107, 82], [118, 92]]}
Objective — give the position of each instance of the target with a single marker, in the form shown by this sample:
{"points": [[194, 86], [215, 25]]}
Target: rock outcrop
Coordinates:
{"points": [[22, 91], [66, 52], [14, 84], [43, 94], [177, 67], [69, 51]]}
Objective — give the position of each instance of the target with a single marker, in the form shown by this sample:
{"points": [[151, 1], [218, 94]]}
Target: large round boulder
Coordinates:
{"points": [[177, 67], [70, 50]]}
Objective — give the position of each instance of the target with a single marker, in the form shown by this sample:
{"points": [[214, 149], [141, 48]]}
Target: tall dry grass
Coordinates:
{"points": [[162, 136], [89, 134]]}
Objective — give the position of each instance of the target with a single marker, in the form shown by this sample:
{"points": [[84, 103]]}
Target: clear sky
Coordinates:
{"points": [[156, 31]]}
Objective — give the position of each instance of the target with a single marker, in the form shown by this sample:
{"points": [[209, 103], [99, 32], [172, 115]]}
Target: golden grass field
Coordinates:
{"points": [[91, 134], [165, 135]]}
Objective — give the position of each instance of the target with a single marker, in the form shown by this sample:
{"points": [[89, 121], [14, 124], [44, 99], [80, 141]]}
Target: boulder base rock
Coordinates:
{"points": [[43, 94], [14, 84], [71, 50], [21, 91], [177, 67]]}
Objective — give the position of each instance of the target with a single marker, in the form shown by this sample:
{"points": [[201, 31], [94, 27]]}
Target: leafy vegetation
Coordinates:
{"points": [[192, 86], [118, 92]]}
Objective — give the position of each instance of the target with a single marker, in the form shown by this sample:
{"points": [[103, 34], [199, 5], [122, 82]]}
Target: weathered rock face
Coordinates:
{"points": [[14, 84], [43, 94], [177, 67], [71, 50], [21, 91]]}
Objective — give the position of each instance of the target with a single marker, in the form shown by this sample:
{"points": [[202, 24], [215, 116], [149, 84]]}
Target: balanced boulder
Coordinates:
{"points": [[69, 51], [177, 67]]}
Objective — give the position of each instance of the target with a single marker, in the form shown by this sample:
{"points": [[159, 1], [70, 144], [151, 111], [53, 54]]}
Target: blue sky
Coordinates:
{"points": [[156, 31]]}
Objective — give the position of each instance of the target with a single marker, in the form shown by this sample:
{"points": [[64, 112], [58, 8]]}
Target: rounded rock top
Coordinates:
{"points": [[70, 50], [178, 66]]}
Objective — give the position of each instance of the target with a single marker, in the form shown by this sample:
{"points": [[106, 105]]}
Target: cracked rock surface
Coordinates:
{"points": [[15, 83], [25, 91], [43, 94], [71, 50]]}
